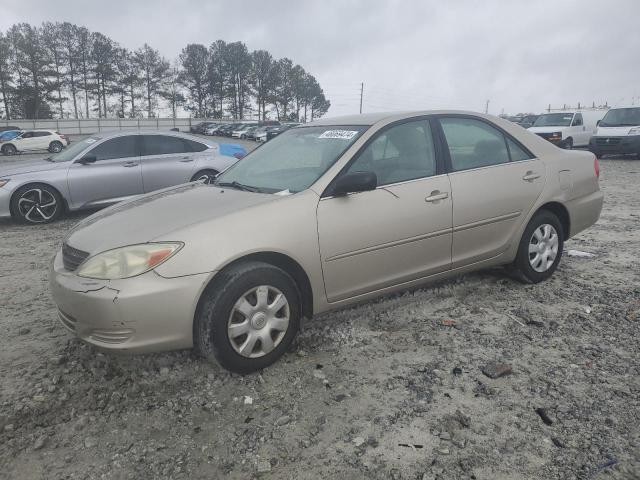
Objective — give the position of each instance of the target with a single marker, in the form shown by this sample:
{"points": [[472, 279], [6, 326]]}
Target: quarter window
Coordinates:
{"points": [[162, 145], [516, 152], [403, 152], [473, 143], [118, 147]]}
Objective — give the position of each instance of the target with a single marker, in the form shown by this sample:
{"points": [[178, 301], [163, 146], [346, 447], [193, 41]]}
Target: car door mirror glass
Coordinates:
{"points": [[87, 159], [355, 182]]}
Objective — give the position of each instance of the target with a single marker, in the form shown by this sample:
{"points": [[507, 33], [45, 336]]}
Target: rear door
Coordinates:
{"points": [[494, 183], [25, 142], [41, 140], [166, 160], [114, 176]]}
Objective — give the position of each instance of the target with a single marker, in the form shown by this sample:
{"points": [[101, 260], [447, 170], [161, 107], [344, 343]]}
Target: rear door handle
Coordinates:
{"points": [[186, 159], [130, 164], [530, 176], [436, 196]]}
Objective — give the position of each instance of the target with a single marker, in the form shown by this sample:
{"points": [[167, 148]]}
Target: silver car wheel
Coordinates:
{"points": [[37, 205], [543, 247], [206, 178], [258, 321]]}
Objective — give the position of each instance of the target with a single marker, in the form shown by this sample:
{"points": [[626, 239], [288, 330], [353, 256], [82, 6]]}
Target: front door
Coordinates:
{"points": [[166, 161], [494, 182], [114, 176], [399, 232], [26, 142]]}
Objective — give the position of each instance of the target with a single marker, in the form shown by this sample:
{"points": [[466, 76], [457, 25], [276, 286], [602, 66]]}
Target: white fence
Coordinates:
{"points": [[94, 125]]}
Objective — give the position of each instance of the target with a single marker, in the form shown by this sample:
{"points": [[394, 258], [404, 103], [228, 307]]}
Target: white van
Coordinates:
{"points": [[568, 129], [618, 132]]}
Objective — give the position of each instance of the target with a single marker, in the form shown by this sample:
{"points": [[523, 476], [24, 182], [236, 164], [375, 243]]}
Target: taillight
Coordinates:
{"points": [[596, 167]]}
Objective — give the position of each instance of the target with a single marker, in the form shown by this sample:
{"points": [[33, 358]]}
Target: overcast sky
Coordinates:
{"points": [[411, 54]]}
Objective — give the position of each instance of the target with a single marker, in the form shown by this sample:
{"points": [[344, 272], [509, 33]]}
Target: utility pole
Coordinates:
{"points": [[361, 93], [486, 107]]}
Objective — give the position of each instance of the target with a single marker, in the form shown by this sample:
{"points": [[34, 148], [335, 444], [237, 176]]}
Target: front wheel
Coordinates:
{"points": [[205, 176], [540, 247], [36, 203], [247, 317], [568, 144]]}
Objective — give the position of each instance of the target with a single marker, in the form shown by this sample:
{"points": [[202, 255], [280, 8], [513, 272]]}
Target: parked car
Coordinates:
{"points": [[617, 133], [262, 135], [211, 128], [199, 127], [237, 133], [228, 129], [33, 141], [9, 135], [325, 215], [275, 131], [105, 169], [527, 120], [7, 128], [568, 129]]}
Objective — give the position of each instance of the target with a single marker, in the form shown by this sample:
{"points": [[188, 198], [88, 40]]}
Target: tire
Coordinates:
{"points": [[534, 266], [36, 204], [568, 144], [205, 176], [9, 149], [218, 316], [55, 147]]}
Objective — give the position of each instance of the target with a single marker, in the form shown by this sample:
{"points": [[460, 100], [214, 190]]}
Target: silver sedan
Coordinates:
{"points": [[105, 169], [325, 215]]}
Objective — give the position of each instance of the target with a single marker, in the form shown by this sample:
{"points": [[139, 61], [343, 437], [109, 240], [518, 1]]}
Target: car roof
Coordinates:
{"points": [[169, 133], [373, 118]]}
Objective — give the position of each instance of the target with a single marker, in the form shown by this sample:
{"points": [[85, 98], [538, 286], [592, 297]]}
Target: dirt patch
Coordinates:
{"points": [[389, 389]]}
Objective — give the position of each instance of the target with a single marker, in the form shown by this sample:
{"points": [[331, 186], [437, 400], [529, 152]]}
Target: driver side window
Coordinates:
{"points": [[401, 153]]}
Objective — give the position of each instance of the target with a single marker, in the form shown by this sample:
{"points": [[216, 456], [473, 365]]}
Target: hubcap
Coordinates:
{"points": [[37, 205], [543, 247], [259, 321]]}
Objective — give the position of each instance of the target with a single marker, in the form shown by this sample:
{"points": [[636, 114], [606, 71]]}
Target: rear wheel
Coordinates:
{"points": [[36, 203], [205, 176], [9, 149], [248, 317], [540, 247], [55, 147]]}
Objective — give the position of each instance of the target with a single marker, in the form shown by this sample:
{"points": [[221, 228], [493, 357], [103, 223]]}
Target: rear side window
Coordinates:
{"points": [[163, 145], [516, 152], [473, 143], [41, 134], [118, 147], [194, 146], [577, 120]]}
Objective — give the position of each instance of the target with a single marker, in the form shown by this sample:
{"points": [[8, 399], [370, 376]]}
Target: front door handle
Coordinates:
{"points": [[186, 160], [530, 176], [130, 164], [436, 196]]}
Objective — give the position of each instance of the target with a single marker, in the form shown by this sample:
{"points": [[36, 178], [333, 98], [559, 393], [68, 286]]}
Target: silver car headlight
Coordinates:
{"points": [[3, 182], [128, 261]]}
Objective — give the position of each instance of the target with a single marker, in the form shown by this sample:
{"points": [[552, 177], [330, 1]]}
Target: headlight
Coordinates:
{"points": [[129, 261], [633, 131], [3, 182]]}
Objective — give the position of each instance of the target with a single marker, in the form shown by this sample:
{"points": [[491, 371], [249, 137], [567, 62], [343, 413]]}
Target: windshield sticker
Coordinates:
{"points": [[341, 134]]}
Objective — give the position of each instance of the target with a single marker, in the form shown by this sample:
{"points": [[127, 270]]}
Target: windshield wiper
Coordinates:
{"points": [[238, 186]]}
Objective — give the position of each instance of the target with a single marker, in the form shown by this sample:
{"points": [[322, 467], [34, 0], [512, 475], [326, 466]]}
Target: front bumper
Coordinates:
{"points": [[615, 145], [141, 314], [555, 140]]}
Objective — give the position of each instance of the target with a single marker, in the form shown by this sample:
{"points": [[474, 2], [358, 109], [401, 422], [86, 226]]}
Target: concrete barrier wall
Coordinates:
{"points": [[95, 125]]}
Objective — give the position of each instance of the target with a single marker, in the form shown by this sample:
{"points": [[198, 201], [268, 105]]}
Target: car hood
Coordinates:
{"points": [[18, 167], [150, 216], [550, 129]]}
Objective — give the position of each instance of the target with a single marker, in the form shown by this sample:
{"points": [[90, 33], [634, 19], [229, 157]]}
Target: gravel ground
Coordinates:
{"points": [[389, 389]]}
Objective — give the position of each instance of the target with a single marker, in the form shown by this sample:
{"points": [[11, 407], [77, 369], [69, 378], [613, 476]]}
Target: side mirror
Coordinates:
{"points": [[355, 182], [87, 159]]}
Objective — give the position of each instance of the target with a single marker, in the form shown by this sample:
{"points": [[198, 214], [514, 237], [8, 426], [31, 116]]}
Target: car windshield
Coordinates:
{"points": [[554, 120], [292, 161], [621, 117], [70, 153]]}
